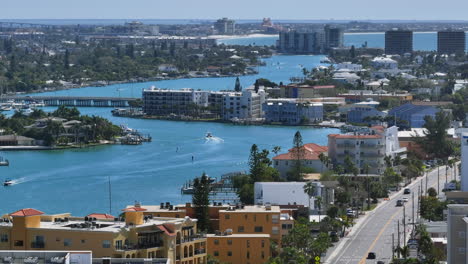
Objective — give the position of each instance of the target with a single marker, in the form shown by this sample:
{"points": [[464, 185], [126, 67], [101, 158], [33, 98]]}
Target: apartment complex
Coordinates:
{"points": [[225, 26], [134, 236], [411, 115], [334, 37], [239, 248], [292, 111], [451, 42], [457, 230], [398, 42], [189, 102], [310, 42], [299, 43], [252, 219]]}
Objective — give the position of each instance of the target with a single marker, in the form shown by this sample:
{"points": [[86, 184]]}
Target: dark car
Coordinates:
{"points": [[407, 191], [399, 203], [371, 255], [380, 262]]}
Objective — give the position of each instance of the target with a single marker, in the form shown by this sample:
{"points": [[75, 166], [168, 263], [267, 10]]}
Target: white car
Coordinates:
{"points": [[405, 199]]}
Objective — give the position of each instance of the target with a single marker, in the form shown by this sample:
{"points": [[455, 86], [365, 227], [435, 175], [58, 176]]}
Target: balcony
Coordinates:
{"points": [[37, 245], [368, 145], [200, 251], [190, 239], [372, 155], [345, 145], [140, 246]]}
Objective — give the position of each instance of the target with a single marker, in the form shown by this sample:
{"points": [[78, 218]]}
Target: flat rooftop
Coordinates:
{"points": [[239, 235], [252, 209]]}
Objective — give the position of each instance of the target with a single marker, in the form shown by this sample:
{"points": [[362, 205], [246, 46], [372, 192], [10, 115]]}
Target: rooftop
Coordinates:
{"points": [[311, 152], [239, 235], [252, 209], [27, 212], [352, 136]]}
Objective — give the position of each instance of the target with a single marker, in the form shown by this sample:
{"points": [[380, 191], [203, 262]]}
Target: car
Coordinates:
{"points": [[405, 199], [399, 203], [407, 191], [380, 262], [350, 213], [371, 255]]}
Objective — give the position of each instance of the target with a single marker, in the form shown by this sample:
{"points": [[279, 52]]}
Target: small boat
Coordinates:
{"points": [[7, 182], [4, 162], [5, 108], [208, 135]]}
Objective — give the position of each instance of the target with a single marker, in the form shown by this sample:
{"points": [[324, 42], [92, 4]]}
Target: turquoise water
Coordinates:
{"points": [[76, 181], [425, 41]]}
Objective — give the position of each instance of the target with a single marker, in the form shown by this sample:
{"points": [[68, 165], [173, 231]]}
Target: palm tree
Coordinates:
{"points": [[322, 159], [309, 189], [318, 200], [276, 149]]}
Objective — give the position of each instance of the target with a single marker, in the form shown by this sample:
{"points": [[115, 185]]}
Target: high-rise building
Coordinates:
{"points": [[225, 26], [398, 42], [450, 42], [334, 37], [298, 42], [464, 163]]}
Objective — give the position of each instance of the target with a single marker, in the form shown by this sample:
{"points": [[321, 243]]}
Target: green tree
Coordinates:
{"points": [[201, 200], [310, 190], [298, 156], [435, 141]]}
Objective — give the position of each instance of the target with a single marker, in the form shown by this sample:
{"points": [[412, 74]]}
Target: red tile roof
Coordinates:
{"points": [[346, 136], [134, 209], [27, 212], [311, 152], [166, 230], [379, 128], [101, 216]]}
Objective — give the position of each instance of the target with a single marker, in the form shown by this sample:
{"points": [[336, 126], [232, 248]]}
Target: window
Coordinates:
{"points": [[216, 242], [18, 243], [284, 226], [240, 229], [118, 244], [275, 219], [461, 250], [248, 243], [229, 242], [248, 254], [245, 216], [216, 253], [267, 217], [263, 243], [83, 241], [255, 218], [461, 234], [67, 242], [4, 238], [229, 253], [263, 255], [275, 230], [106, 244], [227, 216], [259, 229]]}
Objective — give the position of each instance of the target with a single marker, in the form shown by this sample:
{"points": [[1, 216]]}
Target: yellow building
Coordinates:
{"points": [[239, 248], [252, 219], [135, 236]]}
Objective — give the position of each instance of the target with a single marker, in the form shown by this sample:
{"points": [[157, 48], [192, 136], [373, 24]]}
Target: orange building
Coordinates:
{"points": [[136, 236], [239, 248], [252, 219]]}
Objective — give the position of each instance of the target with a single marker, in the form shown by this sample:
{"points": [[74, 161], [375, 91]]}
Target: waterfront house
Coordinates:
{"points": [[14, 140], [134, 236], [284, 163], [167, 68], [384, 62]]}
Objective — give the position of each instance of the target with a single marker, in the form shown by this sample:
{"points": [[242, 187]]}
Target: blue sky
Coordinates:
{"points": [[239, 9]]}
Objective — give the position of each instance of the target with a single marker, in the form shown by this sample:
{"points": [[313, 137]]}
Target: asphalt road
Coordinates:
{"points": [[374, 232]]}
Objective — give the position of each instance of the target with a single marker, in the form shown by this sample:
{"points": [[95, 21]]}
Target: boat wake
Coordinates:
{"points": [[213, 139], [18, 181]]}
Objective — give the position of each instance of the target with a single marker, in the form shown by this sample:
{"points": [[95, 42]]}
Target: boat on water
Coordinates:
{"points": [[7, 182], [4, 162], [208, 135]]}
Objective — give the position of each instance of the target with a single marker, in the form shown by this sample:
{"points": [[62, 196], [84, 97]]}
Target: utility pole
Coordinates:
{"points": [[393, 246], [438, 179], [427, 177], [398, 236], [414, 220], [404, 226]]}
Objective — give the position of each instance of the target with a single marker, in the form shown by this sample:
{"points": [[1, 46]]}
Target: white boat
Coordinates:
{"points": [[7, 182], [26, 111]]}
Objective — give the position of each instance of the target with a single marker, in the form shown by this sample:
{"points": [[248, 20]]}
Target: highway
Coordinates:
{"points": [[373, 233]]}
